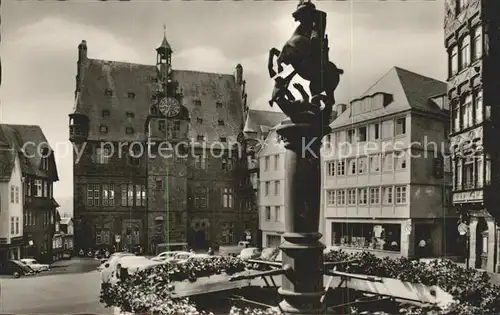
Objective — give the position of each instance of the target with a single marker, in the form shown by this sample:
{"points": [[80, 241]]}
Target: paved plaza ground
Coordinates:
{"points": [[70, 287]]}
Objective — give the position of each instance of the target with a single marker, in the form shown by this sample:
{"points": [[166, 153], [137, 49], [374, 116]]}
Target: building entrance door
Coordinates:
{"points": [[481, 244]]}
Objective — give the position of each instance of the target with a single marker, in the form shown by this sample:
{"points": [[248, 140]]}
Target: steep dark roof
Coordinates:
{"points": [[123, 78], [409, 91], [29, 155], [257, 120], [164, 46]]}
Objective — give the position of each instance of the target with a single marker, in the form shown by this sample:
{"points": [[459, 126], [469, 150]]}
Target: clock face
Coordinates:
{"points": [[169, 107]]}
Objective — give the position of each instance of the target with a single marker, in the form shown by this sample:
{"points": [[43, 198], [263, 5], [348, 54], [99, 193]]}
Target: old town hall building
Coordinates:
{"points": [[472, 32], [129, 188]]}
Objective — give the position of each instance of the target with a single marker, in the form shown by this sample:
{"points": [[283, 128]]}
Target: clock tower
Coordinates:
{"points": [[167, 129]]}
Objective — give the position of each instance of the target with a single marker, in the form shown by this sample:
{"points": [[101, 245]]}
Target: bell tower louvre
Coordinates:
{"points": [[130, 190]]}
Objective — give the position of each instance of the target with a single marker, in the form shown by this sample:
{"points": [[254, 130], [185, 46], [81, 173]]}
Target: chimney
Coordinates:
{"points": [[82, 50], [341, 108], [239, 74], [82, 57]]}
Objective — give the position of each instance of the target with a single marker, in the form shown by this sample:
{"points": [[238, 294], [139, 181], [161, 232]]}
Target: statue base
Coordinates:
{"points": [[302, 288]]}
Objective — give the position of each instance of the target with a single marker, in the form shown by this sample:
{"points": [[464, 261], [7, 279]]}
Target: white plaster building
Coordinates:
{"points": [[11, 206], [385, 188]]}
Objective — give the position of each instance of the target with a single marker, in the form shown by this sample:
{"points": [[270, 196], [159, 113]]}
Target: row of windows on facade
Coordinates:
{"points": [[463, 54], [35, 188], [14, 225], [38, 188], [471, 173], [469, 111], [387, 129], [103, 156], [366, 196], [29, 216], [390, 161], [173, 129], [267, 187], [367, 104], [135, 195], [277, 213], [267, 162], [154, 97]]}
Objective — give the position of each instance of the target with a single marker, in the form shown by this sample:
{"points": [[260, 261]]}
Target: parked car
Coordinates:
{"points": [[105, 263], [244, 244], [167, 255], [15, 268], [249, 253], [37, 267], [175, 258]]}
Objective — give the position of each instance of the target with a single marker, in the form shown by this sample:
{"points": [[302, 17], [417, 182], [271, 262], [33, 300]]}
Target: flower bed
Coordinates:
{"points": [[471, 288], [150, 291]]}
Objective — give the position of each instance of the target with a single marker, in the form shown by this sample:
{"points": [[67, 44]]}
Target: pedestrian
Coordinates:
{"points": [[422, 247], [210, 251]]}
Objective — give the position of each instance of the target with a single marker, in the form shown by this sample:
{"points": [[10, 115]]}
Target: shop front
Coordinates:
{"points": [[378, 237], [12, 250]]}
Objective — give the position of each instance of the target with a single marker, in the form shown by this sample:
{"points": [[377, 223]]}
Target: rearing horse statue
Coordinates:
{"points": [[307, 52]]}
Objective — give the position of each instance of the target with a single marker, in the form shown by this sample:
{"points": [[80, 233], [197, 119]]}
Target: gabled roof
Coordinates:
{"points": [[256, 119], [123, 78], [29, 156], [409, 90], [271, 144]]}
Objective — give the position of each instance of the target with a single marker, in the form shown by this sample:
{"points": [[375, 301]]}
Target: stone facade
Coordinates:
{"points": [[473, 45], [185, 195]]}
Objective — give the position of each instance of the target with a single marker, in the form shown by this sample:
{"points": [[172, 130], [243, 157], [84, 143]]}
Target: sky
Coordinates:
{"points": [[39, 49]]}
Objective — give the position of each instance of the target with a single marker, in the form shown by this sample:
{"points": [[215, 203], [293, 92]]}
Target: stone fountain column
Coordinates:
{"points": [[302, 285]]}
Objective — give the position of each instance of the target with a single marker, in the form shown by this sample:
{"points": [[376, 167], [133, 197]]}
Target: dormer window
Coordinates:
{"points": [[131, 95], [154, 79], [130, 115], [105, 113], [108, 92], [129, 130], [223, 139], [218, 104], [199, 120], [197, 102], [103, 129], [220, 122], [200, 138], [154, 98]]}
